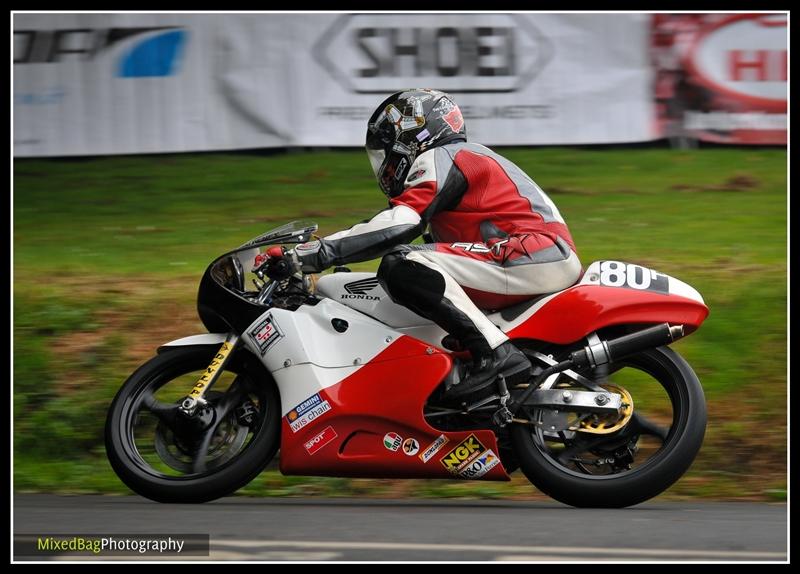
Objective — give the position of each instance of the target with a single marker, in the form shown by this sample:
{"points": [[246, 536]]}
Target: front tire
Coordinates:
{"points": [[157, 463], [584, 484]]}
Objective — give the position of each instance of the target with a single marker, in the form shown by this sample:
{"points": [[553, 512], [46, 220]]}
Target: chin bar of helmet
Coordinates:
{"points": [[605, 352]]}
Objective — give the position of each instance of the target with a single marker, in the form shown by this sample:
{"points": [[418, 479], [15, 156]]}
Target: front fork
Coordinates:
{"points": [[195, 399]]}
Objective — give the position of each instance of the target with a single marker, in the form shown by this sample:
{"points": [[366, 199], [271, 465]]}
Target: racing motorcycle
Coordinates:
{"points": [[347, 383]]}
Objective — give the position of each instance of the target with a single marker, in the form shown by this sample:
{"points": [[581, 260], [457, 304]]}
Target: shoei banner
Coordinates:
{"points": [[88, 84], [722, 77]]}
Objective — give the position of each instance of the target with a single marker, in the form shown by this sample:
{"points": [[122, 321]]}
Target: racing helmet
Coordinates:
{"points": [[405, 125]]}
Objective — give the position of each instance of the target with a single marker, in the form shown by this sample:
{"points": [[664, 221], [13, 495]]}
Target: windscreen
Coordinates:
{"points": [[294, 232]]}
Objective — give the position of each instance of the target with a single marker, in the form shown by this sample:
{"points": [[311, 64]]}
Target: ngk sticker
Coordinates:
{"points": [[320, 440], [463, 454]]}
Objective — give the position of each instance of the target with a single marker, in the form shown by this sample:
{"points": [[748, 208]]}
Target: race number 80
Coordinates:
{"points": [[618, 274]]}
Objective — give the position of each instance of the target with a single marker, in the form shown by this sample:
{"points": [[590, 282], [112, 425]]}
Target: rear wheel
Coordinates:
{"points": [[615, 461], [168, 457]]}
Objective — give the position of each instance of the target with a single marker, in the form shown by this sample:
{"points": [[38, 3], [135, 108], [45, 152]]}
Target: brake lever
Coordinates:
{"points": [[260, 264]]}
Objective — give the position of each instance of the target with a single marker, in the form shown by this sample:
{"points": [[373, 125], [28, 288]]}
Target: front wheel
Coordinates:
{"points": [[586, 460], [168, 457]]}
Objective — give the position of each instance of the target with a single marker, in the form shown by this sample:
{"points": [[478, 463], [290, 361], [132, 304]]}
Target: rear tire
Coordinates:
{"points": [[633, 486]]}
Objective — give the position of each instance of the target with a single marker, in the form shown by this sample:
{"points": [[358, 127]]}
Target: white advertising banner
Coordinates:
{"points": [[90, 84], [722, 78]]}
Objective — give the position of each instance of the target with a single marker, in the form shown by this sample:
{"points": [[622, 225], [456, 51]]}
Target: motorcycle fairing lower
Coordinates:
{"points": [[352, 398]]}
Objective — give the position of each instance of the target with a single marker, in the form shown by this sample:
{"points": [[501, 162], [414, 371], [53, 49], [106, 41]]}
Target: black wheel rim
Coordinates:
{"points": [[160, 443], [641, 443]]}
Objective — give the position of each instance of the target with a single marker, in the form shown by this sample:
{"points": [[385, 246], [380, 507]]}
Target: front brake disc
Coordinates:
{"points": [[229, 437]]}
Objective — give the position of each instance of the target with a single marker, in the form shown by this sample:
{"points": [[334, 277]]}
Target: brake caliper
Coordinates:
{"points": [[246, 413]]}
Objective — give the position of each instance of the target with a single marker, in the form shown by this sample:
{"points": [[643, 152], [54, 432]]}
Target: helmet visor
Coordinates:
{"points": [[380, 138], [376, 159]]}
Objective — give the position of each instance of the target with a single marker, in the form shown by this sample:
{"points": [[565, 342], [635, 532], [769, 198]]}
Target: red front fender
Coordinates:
{"points": [[580, 310]]}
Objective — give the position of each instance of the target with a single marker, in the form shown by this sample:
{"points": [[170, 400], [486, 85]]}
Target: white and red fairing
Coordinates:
{"points": [[562, 317], [376, 374]]}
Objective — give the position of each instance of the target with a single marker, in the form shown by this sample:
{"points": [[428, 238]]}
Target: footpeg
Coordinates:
{"points": [[502, 417]]}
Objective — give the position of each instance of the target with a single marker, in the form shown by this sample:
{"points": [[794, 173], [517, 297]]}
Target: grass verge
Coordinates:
{"points": [[108, 252]]}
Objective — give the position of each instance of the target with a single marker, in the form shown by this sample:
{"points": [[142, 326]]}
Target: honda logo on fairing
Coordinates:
{"points": [[358, 289], [361, 287], [458, 53]]}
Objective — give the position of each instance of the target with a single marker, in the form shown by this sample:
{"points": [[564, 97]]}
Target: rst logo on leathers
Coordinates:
{"points": [[457, 53], [266, 334], [360, 289]]}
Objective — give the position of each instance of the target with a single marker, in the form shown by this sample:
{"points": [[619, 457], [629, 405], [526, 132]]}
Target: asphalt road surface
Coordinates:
{"points": [[424, 530]]}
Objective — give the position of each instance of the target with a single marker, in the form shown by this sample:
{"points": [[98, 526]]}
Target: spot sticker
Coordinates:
{"points": [[315, 444]]}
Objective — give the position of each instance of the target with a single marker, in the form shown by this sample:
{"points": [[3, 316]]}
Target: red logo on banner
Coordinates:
{"points": [[454, 120], [721, 77], [758, 65], [743, 58]]}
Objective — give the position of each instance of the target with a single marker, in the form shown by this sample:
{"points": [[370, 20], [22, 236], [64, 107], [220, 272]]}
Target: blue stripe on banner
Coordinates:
{"points": [[158, 56]]}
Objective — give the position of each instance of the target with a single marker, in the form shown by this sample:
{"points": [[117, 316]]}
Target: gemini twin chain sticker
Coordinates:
{"points": [[307, 411]]}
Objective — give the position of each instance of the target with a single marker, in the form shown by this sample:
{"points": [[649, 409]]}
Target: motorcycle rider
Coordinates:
{"points": [[497, 239]]}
